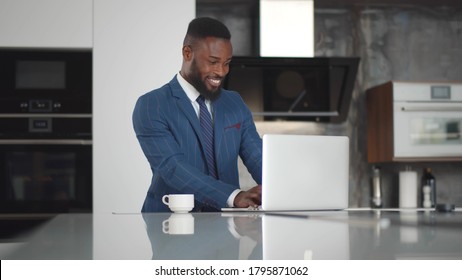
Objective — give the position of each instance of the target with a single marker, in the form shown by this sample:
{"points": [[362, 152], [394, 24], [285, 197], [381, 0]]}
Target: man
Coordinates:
{"points": [[193, 147]]}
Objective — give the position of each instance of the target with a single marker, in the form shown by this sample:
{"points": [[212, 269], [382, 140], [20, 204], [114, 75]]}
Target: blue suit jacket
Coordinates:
{"points": [[168, 130]]}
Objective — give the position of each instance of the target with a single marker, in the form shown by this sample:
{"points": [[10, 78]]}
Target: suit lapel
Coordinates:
{"points": [[185, 106], [218, 116]]}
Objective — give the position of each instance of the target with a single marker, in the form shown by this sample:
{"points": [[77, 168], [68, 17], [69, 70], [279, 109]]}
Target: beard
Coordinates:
{"points": [[200, 85]]}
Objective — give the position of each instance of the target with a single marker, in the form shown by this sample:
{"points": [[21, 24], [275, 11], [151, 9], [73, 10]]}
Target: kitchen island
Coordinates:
{"points": [[325, 235]]}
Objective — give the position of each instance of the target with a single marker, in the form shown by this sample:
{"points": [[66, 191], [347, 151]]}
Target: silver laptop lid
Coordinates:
{"points": [[305, 172]]}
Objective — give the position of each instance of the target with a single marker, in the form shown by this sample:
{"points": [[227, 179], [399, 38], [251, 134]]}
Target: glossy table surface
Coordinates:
{"points": [[352, 234]]}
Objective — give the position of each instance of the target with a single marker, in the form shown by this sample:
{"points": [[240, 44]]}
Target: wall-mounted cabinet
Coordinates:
{"points": [[414, 122], [46, 24]]}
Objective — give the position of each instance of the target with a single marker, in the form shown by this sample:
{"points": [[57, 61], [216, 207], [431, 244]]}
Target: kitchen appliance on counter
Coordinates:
{"points": [[45, 131], [414, 121]]}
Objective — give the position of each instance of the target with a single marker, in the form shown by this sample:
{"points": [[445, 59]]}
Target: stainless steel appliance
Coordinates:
{"points": [[45, 131]]}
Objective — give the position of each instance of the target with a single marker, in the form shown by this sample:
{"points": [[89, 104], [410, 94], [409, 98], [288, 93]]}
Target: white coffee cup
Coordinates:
{"points": [[179, 224], [179, 203]]}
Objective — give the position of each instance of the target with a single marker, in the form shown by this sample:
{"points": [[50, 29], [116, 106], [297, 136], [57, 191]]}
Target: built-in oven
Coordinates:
{"points": [[45, 81], [45, 131], [45, 163], [427, 120], [45, 177]]}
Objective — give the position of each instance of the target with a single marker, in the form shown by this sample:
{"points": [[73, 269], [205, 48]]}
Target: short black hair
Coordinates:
{"points": [[203, 27]]}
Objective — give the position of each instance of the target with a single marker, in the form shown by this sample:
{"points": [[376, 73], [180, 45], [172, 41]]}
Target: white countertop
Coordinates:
{"points": [[325, 235]]}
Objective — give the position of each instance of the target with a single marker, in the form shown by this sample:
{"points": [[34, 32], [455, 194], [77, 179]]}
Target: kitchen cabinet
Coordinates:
{"points": [[414, 121], [46, 24]]}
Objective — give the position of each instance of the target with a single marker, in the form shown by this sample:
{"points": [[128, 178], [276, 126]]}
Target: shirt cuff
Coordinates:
{"points": [[231, 198]]}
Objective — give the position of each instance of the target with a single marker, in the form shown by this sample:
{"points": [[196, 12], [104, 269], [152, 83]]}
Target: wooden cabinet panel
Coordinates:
{"points": [[380, 123]]}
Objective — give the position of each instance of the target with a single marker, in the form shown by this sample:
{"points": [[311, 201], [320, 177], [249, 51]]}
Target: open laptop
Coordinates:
{"points": [[304, 172]]}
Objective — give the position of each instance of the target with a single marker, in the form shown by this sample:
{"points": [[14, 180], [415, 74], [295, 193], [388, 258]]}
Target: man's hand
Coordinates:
{"points": [[248, 198]]}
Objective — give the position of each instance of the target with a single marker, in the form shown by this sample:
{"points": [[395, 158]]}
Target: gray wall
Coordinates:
{"points": [[405, 42]]}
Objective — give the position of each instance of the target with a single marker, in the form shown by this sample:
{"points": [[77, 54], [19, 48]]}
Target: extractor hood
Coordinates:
{"points": [[305, 89]]}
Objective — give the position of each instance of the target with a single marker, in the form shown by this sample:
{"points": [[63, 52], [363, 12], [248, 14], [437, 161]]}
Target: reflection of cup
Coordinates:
{"points": [[179, 203], [179, 224]]}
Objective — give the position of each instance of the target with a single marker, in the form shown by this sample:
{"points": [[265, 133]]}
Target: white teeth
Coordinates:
{"points": [[215, 81]]}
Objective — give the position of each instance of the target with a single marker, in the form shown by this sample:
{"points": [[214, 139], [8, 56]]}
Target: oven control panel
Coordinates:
{"points": [[40, 106]]}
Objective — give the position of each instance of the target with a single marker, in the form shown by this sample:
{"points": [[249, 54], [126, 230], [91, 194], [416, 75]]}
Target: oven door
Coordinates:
{"points": [[427, 129], [45, 176]]}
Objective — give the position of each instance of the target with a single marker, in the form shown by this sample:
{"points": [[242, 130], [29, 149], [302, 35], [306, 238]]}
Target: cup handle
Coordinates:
{"points": [[165, 226], [164, 199]]}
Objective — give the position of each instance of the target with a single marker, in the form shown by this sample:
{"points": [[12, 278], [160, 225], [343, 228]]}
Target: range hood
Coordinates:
{"points": [[304, 89]]}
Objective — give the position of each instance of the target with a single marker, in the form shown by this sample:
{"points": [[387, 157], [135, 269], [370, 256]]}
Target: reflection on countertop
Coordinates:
{"points": [[325, 235]]}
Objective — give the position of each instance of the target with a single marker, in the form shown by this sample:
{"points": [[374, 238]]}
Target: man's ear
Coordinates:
{"points": [[187, 53]]}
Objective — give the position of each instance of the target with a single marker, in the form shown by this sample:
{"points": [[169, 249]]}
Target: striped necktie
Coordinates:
{"points": [[207, 135]]}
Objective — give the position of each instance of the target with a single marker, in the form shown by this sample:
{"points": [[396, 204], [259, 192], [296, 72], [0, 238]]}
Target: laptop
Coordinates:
{"points": [[304, 172]]}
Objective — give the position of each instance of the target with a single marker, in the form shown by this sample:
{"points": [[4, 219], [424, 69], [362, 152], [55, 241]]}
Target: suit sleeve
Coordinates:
{"points": [[251, 146]]}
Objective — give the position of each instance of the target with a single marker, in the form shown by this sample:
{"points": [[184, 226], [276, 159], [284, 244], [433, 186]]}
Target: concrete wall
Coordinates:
{"points": [[395, 42], [407, 43]]}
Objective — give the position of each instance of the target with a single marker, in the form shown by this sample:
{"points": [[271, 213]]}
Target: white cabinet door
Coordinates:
{"points": [[46, 23]]}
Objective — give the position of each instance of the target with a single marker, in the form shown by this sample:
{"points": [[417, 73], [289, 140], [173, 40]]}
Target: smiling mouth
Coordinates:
{"points": [[216, 82]]}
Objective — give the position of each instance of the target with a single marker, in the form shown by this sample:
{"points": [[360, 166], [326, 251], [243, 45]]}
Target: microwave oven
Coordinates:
{"points": [[37, 81], [414, 121]]}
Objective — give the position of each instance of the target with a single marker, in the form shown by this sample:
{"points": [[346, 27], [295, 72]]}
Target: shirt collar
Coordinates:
{"points": [[189, 89]]}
